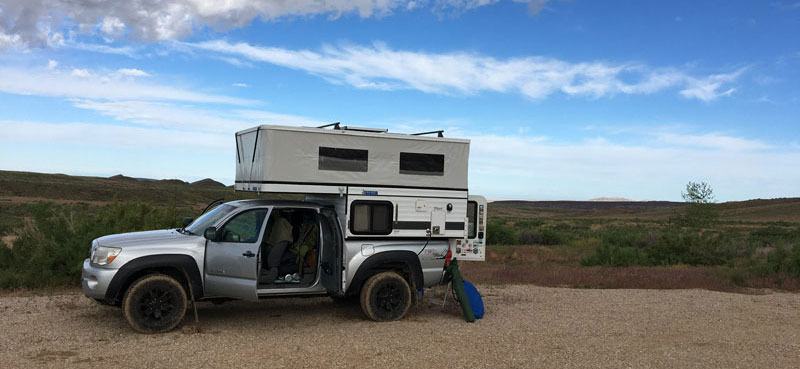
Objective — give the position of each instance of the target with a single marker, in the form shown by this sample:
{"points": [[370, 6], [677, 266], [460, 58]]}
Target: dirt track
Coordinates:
{"points": [[525, 326]]}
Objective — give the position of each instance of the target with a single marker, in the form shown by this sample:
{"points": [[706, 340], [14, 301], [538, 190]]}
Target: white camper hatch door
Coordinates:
{"points": [[473, 246]]}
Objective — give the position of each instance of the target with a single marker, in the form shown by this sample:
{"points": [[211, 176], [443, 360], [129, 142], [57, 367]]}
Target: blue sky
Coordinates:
{"points": [[562, 99]]}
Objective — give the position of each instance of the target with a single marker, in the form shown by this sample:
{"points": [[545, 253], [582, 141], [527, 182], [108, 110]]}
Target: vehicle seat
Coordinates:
{"points": [[274, 260]]}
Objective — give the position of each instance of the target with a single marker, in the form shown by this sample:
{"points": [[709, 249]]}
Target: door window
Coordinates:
{"points": [[245, 227]]}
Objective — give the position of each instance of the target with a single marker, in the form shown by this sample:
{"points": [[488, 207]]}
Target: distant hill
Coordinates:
{"points": [[21, 187], [208, 182], [591, 205], [759, 210], [120, 177], [25, 187]]}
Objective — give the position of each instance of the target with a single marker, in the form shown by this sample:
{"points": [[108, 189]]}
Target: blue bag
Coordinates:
{"points": [[475, 300]]}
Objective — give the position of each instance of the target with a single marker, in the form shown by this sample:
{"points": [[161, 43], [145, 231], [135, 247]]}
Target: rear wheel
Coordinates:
{"points": [[385, 297], [155, 303]]}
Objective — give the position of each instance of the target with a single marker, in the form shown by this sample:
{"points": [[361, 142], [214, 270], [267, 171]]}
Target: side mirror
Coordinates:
{"points": [[187, 221], [210, 233]]}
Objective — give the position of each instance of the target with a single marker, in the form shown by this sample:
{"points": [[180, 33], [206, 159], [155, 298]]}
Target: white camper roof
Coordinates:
{"points": [[311, 158]]}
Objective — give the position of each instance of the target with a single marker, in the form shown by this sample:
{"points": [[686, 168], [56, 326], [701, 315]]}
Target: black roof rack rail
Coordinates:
{"points": [[335, 125], [439, 133]]}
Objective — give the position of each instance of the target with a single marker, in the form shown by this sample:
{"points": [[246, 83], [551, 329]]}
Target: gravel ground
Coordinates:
{"points": [[525, 327]]}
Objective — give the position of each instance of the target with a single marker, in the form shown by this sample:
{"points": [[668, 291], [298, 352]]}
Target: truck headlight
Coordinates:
{"points": [[103, 255]]}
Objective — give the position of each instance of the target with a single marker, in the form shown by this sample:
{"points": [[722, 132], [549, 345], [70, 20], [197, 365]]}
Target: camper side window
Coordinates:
{"points": [[371, 217], [421, 164], [349, 160]]}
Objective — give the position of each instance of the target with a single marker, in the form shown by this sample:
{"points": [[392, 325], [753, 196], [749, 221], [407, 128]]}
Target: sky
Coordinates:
{"points": [[561, 99]]}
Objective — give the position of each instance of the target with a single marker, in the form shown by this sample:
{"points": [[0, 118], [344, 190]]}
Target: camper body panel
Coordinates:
{"points": [[276, 155]]}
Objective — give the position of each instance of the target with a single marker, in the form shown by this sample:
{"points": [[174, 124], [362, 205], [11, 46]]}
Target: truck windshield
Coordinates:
{"points": [[209, 219]]}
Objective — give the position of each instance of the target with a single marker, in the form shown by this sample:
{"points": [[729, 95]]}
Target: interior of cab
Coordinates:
{"points": [[290, 249]]}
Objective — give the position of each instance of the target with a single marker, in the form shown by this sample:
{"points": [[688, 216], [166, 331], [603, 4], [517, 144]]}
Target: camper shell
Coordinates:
{"points": [[416, 186]]}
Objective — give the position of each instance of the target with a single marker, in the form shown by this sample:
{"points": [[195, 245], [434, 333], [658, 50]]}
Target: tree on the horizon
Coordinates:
{"points": [[701, 210]]}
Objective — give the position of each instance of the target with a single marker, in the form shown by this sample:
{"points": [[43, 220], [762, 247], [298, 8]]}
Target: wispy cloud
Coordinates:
{"points": [[132, 72], [535, 77], [711, 87], [128, 51], [713, 141], [111, 136], [239, 84], [83, 83], [188, 117]]}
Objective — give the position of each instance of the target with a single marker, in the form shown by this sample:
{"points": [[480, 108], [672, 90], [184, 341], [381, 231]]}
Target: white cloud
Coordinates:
{"points": [[37, 22], [9, 40], [380, 67], [52, 64], [132, 72], [104, 49], [713, 141], [83, 73], [189, 118], [239, 84], [107, 135], [85, 84], [709, 88]]}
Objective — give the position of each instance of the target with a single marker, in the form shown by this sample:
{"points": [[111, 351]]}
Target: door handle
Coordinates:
{"points": [[249, 254]]}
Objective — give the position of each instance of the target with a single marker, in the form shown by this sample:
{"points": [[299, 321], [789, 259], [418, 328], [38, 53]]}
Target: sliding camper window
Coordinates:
{"points": [[371, 217], [472, 219], [421, 164], [348, 160]]}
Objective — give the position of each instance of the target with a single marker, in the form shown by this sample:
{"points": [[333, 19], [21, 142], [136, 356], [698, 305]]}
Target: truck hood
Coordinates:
{"points": [[148, 238]]}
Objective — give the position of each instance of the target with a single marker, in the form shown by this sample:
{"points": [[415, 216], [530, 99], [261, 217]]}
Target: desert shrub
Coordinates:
{"points": [[528, 223], [529, 237], [500, 233], [551, 236], [773, 235], [784, 260], [55, 239]]}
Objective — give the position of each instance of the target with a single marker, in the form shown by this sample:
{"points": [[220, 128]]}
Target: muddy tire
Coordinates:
{"points": [[155, 303], [385, 297]]}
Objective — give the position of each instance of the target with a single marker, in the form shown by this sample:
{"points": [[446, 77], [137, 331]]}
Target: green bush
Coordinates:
{"points": [[55, 239], [500, 233]]}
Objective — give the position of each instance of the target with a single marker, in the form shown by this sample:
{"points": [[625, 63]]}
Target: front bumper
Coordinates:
{"points": [[95, 280]]}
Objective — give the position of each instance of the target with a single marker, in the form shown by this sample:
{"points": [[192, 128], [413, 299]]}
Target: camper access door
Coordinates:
{"points": [[473, 246]]}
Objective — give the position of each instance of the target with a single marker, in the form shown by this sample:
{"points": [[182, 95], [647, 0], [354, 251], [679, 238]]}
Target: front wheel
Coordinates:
{"points": [[385, 297], [155, 303]]}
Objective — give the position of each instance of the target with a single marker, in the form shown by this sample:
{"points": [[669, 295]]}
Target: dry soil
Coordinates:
{"points": [[524, 327]]}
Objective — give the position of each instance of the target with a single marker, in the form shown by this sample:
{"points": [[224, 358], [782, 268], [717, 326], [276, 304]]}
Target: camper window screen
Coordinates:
{"points": [[371, 217], [472, 217], [349, 160], [424, 164]]}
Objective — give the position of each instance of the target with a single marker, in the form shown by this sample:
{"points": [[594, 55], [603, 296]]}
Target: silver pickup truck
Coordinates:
{"points": [[252, 249]]}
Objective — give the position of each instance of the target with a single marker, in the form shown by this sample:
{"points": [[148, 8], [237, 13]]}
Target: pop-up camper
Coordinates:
{"points": [[383, 185]]}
